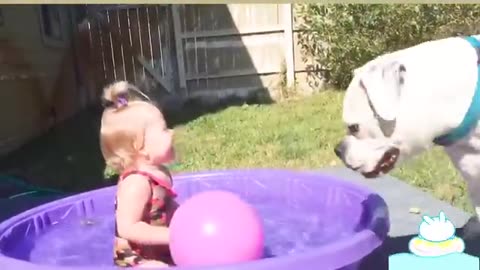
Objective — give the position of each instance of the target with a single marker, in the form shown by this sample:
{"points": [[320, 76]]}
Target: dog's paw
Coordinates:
{"points": [[471, 229]]}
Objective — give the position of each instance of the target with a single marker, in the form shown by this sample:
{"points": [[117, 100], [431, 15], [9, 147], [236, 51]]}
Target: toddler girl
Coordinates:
{"points": [[135, 141]]}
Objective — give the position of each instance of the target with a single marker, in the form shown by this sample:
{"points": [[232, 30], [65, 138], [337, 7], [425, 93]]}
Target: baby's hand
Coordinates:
{"points": [[153, 264], [436, 229]]}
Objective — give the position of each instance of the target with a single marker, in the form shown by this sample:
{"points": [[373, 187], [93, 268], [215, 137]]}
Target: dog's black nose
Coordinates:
{"points": [[339, 149]]}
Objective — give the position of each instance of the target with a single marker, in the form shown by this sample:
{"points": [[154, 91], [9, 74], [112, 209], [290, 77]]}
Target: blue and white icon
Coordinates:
{"points": [[436, 238], [435, 247]]}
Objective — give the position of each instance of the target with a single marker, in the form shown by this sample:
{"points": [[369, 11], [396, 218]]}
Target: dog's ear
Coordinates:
{"points": [[383, 84]]}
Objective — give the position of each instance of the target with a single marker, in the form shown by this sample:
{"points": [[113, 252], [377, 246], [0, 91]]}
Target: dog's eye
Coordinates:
{"points": [[353, 128]]}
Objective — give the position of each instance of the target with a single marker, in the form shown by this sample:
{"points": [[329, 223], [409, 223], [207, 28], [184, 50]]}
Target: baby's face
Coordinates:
{"points": [[158, 141]]}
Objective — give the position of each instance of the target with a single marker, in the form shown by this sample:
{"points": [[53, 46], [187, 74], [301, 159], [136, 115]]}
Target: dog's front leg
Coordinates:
{"points": [[465, 155]]}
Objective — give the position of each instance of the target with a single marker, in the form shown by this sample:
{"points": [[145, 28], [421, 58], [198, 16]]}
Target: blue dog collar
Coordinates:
{"points": [[473, 114]]}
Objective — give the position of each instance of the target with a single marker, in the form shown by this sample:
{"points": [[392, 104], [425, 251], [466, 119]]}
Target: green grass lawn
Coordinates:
{"points": [[296, 134]]}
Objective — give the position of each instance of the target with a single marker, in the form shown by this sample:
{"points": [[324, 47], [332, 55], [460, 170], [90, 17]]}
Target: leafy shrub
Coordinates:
{"points": [[341, 37]]}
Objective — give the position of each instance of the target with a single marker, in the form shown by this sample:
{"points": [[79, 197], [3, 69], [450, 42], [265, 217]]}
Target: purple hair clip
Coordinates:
{"points": [[122, 101]]}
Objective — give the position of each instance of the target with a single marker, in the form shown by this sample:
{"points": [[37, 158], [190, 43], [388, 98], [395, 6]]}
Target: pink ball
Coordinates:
{"points": [[215, 227]]}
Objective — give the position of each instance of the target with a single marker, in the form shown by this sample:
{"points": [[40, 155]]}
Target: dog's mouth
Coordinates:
{"points": [[385, 164]]}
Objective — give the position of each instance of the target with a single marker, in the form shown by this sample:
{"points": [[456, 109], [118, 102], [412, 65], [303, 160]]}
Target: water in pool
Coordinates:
{"points": [[80, 243], [90, 241]]}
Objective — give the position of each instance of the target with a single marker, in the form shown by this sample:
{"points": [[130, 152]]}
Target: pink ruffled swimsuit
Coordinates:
{"points": [[129, 254]]}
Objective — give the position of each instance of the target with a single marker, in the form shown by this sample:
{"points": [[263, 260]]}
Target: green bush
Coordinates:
{"points": [[341, 37]]}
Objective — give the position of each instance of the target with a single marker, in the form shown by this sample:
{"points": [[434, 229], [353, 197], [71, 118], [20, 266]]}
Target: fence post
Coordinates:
{"points": [[177, 31], [289, 44]]}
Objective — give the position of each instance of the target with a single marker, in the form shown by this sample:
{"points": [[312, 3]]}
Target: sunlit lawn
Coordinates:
{"points": [[300, 135]]}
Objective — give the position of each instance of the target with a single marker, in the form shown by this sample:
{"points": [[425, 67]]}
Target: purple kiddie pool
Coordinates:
{"points": [[311, 221]]}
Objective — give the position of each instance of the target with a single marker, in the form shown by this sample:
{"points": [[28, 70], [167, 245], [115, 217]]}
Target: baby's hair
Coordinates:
{"points": [[118, 94], [121, 134]]}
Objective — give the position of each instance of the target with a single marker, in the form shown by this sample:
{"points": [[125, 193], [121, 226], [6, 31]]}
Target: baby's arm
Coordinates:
{"points": [[134, 193]]}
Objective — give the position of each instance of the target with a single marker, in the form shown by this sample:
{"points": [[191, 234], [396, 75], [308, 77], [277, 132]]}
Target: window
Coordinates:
{"points": [[52, 25]]}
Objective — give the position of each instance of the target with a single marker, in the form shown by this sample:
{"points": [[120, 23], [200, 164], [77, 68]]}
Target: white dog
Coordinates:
{"points": [[402, 103]]}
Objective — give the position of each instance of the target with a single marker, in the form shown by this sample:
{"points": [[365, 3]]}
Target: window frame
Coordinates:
{"points": [[49, 41]]}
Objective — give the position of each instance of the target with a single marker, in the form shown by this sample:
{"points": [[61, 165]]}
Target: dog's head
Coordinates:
{"points": [[372, 112]]}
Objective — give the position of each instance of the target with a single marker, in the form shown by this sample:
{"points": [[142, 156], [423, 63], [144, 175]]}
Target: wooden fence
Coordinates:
{"points": [[232, 49], [195, 50], [129, 42]]}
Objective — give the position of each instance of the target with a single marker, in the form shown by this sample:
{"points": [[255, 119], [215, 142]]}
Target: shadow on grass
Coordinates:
{"points": [[68, 157], [178, 112]]}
